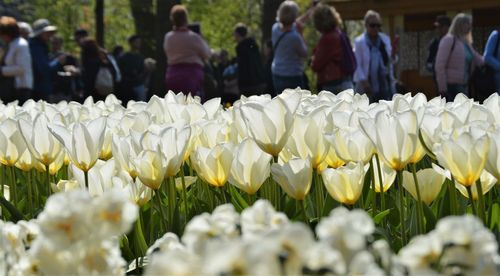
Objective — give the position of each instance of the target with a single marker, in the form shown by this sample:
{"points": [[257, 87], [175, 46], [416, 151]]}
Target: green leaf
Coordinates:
{"points": [[237, 199], [495, 216], [380, 216], [430, 218], [16, 214], [139, 236]]}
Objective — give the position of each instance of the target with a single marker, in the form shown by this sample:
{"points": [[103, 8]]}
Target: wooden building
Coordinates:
{"points": [[412, 21]]}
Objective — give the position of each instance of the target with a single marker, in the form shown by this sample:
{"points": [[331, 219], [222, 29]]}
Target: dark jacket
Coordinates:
{"points": [[250, 70], [44, 69], [327, 58], [132, 69], [90, 68]]}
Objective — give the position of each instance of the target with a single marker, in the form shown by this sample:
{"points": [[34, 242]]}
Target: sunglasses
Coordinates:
{"points": [[375, 25]]}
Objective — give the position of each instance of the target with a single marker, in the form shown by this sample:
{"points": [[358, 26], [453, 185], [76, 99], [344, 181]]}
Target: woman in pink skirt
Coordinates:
{"points": [[185, 51]]}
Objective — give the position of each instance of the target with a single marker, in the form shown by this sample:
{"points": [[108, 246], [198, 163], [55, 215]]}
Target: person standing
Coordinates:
{"points": [[331, 52], [25, 30], [374, 71], [16, 63], [65, 82], [250, 71], [442, 25], [268, 64], [94, 59], [290, 50], [456, 59], [44, 69], [133, 72], [186, 52], [492, 56]]}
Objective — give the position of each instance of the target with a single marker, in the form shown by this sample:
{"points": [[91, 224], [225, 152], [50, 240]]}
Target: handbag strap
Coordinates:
{"points": [[279, 40], [451, 51]]}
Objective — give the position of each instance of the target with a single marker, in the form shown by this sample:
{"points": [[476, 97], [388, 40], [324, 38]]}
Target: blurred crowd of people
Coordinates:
{"points": [[366, 65], [35, 65]]}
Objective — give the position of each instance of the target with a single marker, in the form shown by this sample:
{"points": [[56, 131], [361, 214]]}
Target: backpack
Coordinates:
{"points": [[104, 81], [348, 62]]}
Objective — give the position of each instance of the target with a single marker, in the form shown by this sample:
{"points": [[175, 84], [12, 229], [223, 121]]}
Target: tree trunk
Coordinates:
{"points": [[162, 26], [144, 20], [269, 9], [99, 22]]}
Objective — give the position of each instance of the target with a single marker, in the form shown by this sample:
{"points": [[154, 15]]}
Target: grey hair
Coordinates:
{"points": [[26, 27], [371, 14], [288, 12], [461, 26]]}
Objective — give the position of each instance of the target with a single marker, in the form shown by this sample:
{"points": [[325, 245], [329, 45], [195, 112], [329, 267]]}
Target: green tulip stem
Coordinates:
{"points": [[481, 206], [372, 176], [401, 206], [139, 237], [274, 190], [380, 183], [420, 209], [29, 187], [250, 199], [13, 185], [223, 192], [35, 189], [86, 175], [2, 192], [172, 197], [160, 211], [453, 196], [469, 192], [302, 204], [319, 193], [210, 195], [47, 179], [152, 224], [184, 196]]}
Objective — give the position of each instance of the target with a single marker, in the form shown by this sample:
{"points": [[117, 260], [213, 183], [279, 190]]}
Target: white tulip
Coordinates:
{"points": [[294, 177], [306, 140], [213, 165], [269, 124], [84, 143], [41, 143], [12, 145], [250, 167], [395, 136]]}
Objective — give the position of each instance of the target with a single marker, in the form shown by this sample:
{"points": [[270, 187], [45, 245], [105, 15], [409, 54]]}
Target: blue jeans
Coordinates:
{"points": [[140, 93], [283, 82]]}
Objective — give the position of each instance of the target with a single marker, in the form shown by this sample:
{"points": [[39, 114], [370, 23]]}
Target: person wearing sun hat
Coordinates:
{"points": [[44, 69]]}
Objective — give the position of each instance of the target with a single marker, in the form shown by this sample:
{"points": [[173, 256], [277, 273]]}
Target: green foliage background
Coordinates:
{"points": [[68, 15], [217, 19]]}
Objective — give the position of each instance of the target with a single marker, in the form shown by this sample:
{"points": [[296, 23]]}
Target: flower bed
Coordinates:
{"points": [[94, 187]]}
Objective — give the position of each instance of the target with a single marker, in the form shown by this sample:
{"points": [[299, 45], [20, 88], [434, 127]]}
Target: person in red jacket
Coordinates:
{"points": [[329, 52]]}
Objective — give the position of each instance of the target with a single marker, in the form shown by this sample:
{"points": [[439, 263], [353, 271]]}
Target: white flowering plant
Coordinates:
{"points": [[300, 183]]}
